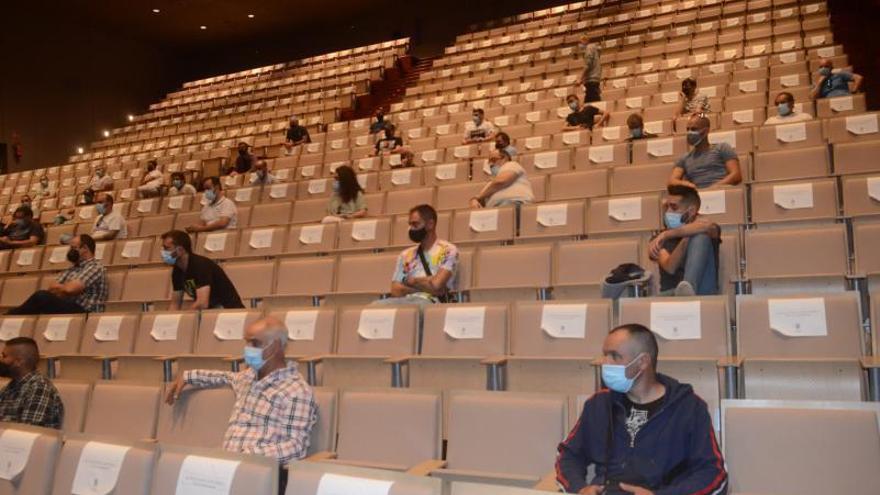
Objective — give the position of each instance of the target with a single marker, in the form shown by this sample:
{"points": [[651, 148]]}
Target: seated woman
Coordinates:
{"points": [[509, 184], [348, 197]]}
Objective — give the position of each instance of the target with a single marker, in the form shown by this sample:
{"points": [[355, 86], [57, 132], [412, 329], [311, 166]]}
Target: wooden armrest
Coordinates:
{"points": [[870, 362], [149, 440], [233, 359], [321, 456], [730, 362], [496, 360], [311, 359], [548, 483], [398, 360], [425, 468], [597, 361]]}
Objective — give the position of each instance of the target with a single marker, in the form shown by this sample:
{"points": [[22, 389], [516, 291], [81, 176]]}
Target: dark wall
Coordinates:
{"points": [[852, 22]]}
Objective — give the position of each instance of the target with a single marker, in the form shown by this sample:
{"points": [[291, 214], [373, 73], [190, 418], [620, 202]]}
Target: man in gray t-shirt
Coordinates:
{"points": [[706, 165]]}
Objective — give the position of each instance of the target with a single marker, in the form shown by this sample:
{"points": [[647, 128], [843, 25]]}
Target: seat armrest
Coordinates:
{"points": [[311, 359], [425, 468], [236, 359], [548, 483], [870, 362], [730, 362], [494, 360], [398, 360], [321, 456]]}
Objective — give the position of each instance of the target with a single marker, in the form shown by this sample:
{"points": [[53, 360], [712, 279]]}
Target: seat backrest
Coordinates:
{"points": [[221, 331], [640, 178], [17, 289], [552, 220], [357, 339], [311, 238], [306, 478], [271, 214], [109, 334], [394, 427], [796, 163], [788, 432], [791, 201], [365, 274], [58, 335], [624, 214], [147, 285], [16, 326], [539, 328], [218, 245], [37, 472], [857, 200], [305, 276], [75, 397], [123, 410], [252, 279], [323, 434], [487, 224], [768, 252], [724, 206], [493, 267], [400, 201], [135, 472], [455, 330], [589, 262], [311, 331], [262, 241], [364, 233], [663, 316], [504, 432], [198, 418], [254, 475], [166, 334]]}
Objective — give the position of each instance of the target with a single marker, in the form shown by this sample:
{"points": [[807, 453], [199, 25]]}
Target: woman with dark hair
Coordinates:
{"points": [[348, 197]]}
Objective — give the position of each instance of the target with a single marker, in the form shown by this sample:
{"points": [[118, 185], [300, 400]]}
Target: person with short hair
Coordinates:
{"points": [[509, 184], [44, 190], [29, 398], [82, 288], [591, 77], [833, 83], [244, 162], [261, 175], [390, 143], [23, 231], [198, 277], [645, 434], [407, 159], [274, 409], [502, 142], [687, 250], [151, 182], [179, 186], [584, 116], [110, 224], [100, 181], [636, 126], [692, 101], [706, 165], [218, 212], [348, 199], [786, 113], [296, 135], [379, 124], [479, 130]]}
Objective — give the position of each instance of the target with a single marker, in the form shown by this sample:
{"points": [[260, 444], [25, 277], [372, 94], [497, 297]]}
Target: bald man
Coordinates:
{"points": [[661, 439], [833, 84], [706, 165], [275, 408], [29, 397]]}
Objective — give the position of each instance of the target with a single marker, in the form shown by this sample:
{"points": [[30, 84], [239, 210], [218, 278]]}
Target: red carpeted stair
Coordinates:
{"points": [[390, 89]]}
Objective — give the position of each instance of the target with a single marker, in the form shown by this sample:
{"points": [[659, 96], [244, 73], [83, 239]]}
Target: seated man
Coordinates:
{"points": [[275, 408], [244, 162], [219, 212], [389, 142], [378, 125], [645, 434], [23, 232], [480, 130], [509, 184], [692, 102], [100, 182], [687, 251], [584, 117], [82, 288], [29, 398], [407, 159], [426, 272], [151, 181], [110, 224], [261, 175], [502, 142], [833, 83], [179, 186], [199, 277], [44, 190], [636, 126], [786, 112], [706, 165], [296, 135]]}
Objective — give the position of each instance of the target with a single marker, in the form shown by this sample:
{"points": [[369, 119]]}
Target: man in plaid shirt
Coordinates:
{"points": [[274, 408], [29, 398], [82, 288]]}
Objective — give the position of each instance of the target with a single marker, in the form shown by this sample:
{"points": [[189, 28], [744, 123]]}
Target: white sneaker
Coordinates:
{"points": [[684, 289]]}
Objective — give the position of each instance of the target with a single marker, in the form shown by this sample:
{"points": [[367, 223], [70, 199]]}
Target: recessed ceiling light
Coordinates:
{"points": [[156, 11], [80, 150], [106, 133], [130, 117], [203, 27], [251, 16]]}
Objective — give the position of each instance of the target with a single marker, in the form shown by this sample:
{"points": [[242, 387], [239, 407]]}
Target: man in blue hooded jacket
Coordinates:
{"points": [[646, 434]]}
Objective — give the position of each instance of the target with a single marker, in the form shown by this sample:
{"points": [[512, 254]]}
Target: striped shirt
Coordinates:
{"points": [[271, 417], [94, 277]]}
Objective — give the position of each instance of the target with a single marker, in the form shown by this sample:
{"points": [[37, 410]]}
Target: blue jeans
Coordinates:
{"points": [[700, 265]]}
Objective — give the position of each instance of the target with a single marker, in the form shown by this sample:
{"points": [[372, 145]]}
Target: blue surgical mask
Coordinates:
{"points": [[573, 105], [178, 184], [336, 186], [694, 138], [638, 132], [614, 376], [210, 195], [253, 357], [825, 71], [168, 257], [100, 208], [494, 168], [673, 219], [784, 109], [20, 222]]}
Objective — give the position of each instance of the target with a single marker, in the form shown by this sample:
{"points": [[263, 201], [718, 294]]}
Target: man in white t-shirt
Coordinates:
{"points": [[786, 112], [219, 212], [480, 130], [110, 224], [261, 175], [101, 181], [509, 184], [151, 182]]}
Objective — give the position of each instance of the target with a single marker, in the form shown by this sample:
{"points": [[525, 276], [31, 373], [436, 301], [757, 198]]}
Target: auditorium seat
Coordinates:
{"points": [[495, 278], [790, 136], [854, 128], [127, 252], [253, 280], [364, 234], [323, 433], [800, 201], [17, 289], [578, 184], [552, 220], [135, 469], [318, 238], [841, 105], [724, 206], [59, 335], [123, 410], [640, 178], [820, 364], [312, 478], [104, 336], [75, 397], [304, 337], [218, 245], [219, 339], [856, 157], [788, 432], [399, 202], [16, 326], [198, 418], [147, 285], [624, 214], [26, 260], [274, 213], [795, 163], [300, 280], [262, 241], [253, 474], [37, 470], [159, 335], [579, 267]]}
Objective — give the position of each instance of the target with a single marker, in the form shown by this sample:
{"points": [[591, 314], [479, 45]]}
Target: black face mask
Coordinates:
{"points": [[380, 118], [418, 235], [5, 370], [242, 152], [73, 256]]}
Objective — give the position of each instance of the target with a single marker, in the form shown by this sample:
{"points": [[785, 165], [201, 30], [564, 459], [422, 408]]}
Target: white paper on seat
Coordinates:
{"points": [[15, 450], [461, 151], [651, 78], [534, 142], [817, 40], [791, 133], [788, 58], [483, 220], [785, 13], [229, 326], [790, 80], [669, 97], [86, 212], [107, 329], [572, 137], [175, 202], [307, 171], [560, 92], [625, 209], [429, 112], [216, 242], [261, 238], [873, 187], [361, 140], [99, 250], [230, 181], [311, 234], [841, 103], [465, 322], [564, 321], [619, 71], [443, 129], [98, 468], [401, 177], [654, 127], [611, 133], [317, 186], [758, 49], [618, 83], [377, 324], [826, 52], [793, 196], [132, 249], [394, 160], [165, 327], [278, 191], [205, 476], [752, 63], [601, 154], [676, 320], [701, 58], [659, 147], [798, 317], [862, 124], [26, 257], [301, 324], [146, 205], [728, 54], [365, 164], [364, 230], [446, 171], [728, 137], [713, 202], [716, 68], [10, 328], [546, 160], [743, 116], [313, 147], [646, 66], [337, 484], [59, 254], [634, 102], [532, 117], [748, 86], [552, 215]]}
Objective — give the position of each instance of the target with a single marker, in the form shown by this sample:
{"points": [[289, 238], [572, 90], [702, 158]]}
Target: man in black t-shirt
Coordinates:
{"points": [[23, 231], [389, 143], [584, 117], [197, 276], [296, 135]]}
